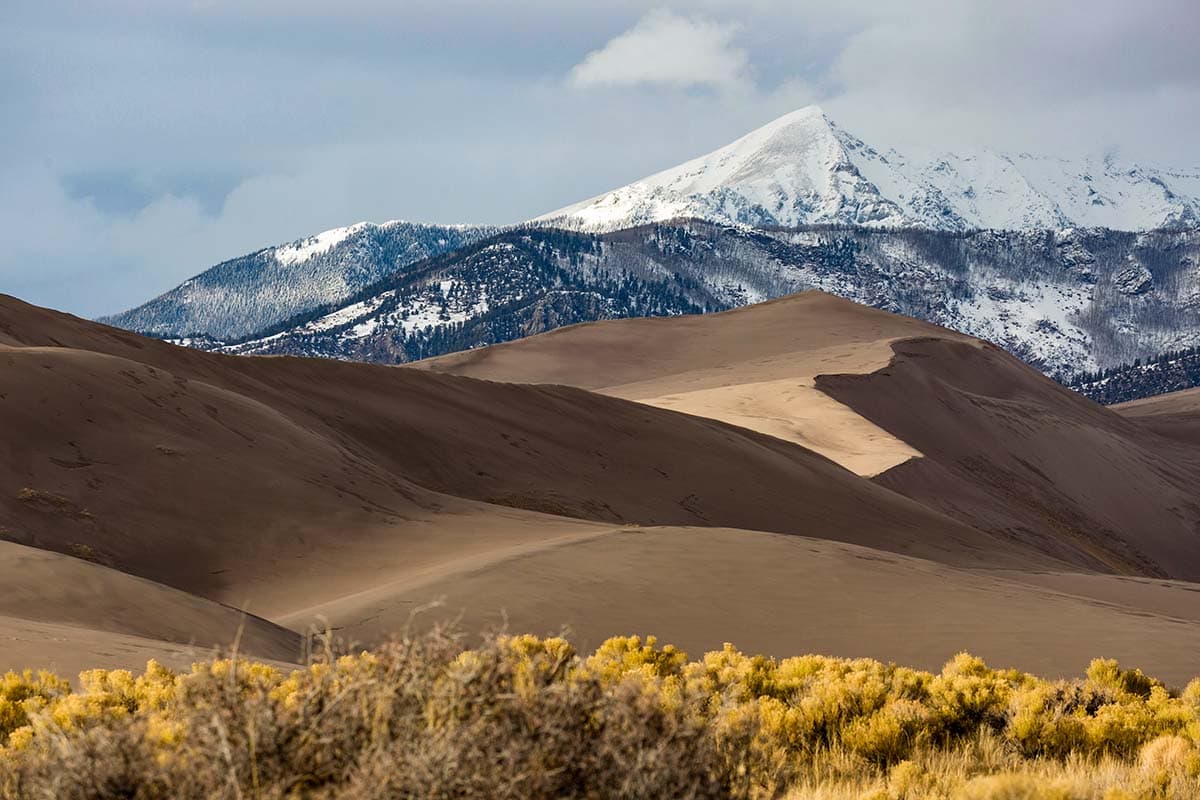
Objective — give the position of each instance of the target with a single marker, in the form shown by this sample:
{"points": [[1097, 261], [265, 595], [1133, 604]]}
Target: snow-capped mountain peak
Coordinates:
{"points": [[793, 170], [802, 169]]}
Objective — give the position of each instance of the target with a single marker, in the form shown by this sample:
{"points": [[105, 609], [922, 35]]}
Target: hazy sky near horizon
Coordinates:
{"points": [[142, 141]]}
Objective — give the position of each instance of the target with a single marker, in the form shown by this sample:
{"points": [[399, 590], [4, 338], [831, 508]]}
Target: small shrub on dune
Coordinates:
{"points": [[622, 655], [1107, 674], [730, 676], [890, 734], [26, 693], [968, 695]]}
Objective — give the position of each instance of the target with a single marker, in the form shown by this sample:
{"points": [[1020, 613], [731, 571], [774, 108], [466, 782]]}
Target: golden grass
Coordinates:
{"points": [[523, 717]]}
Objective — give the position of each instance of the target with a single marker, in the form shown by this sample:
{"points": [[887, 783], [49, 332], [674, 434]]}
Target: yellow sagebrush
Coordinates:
{"points": [[523, 716]]}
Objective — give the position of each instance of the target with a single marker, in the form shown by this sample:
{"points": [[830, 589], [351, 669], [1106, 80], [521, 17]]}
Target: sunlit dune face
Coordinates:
{"points": [[753, 395]]}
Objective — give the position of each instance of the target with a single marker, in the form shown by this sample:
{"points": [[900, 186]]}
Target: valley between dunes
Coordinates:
{"points": [[805, 475]]}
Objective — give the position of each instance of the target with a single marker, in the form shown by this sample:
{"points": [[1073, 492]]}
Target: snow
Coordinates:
{"points": [[428, 313], [1038, 317], [364, 328], [347, 314], [785, 173], [802, 169], [304, 249], [375, 314]]}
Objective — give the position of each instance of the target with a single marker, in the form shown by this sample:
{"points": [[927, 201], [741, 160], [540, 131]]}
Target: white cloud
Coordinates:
{"points": [[667, 49]]}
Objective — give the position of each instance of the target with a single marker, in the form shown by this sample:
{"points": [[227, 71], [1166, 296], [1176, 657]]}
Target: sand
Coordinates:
{"points": [[1021, 456], [750, 367], [805, 475], [67, 650], [1175, 416], [785, 595]]}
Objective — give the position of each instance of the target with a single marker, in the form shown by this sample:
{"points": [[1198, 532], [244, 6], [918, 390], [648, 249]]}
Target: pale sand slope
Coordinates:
{"points": [[423, 545], [113, 617], [1175, 599], [67, 650], [788, 408], [753, 367], [788, 595], [1186, 401], [1175, 415]]}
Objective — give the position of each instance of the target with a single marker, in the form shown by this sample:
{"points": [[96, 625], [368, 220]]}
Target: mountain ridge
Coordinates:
{"points": [[244, 295], [799, 170], [803, 169], [1062, 301]]}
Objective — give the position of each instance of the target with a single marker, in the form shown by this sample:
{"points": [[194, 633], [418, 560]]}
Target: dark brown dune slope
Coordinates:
{"points": [[257, 481], [1021, 456]]}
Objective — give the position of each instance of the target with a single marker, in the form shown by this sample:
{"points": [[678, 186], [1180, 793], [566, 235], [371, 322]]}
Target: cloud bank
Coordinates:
{"points": [[144, 142]]}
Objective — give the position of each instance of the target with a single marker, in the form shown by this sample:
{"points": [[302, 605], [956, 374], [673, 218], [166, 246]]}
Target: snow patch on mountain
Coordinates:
{"points": [[304, 249], [435, 304]]}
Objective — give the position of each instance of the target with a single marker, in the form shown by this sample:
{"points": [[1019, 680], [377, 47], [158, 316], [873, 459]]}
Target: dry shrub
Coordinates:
{"points": [[420, 717], [527, 717]]}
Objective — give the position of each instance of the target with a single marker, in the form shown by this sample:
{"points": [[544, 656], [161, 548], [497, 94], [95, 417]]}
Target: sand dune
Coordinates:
{"points": [[786, 595], [793, 410], [1003, 448], [253, 481], [753, 367], [1021, 456], [690, 477], [276, 485], [41, 586], [808, 333], [1175, 416]]}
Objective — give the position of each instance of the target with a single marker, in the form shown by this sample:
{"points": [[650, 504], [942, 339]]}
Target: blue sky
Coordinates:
{"points": [[145, 140]]}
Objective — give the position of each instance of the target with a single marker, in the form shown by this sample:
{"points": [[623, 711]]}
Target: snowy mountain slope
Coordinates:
{"points": [[249, 294], [1064, 301], [514, 284], [802, 169], [1024, 251]]}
